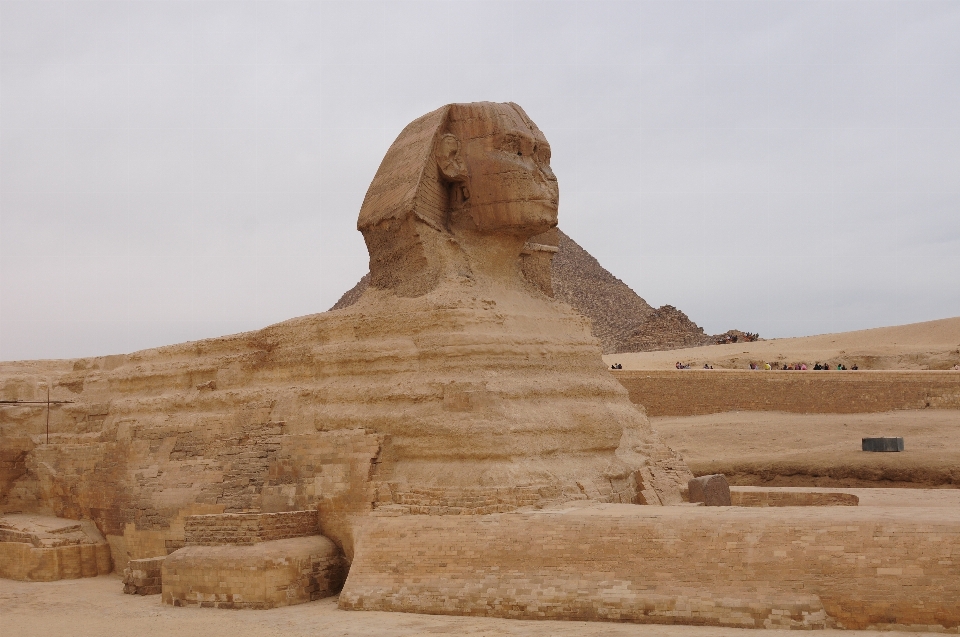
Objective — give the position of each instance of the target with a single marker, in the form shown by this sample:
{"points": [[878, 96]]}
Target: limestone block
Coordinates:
{"points": [[713, 490], [753, 497], [696, 392], [882, 444], [787, 567], [264, 575], [248, 528], [144, 576], [41, 548]]}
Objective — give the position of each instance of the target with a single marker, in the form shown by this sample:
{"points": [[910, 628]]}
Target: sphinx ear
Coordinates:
{"points": [[449, 161]]}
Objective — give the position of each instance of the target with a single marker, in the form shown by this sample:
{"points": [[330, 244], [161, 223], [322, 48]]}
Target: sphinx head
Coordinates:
{"points": [[461, 189]]}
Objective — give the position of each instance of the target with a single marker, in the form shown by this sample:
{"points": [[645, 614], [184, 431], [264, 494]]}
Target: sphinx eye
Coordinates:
{"points": [[520, 153]]}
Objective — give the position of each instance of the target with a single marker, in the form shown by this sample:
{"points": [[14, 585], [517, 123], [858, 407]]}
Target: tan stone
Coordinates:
{"points": [[692, 392], [789, 567], [265, 575], [40, 548], [711, 490], [144, 577], [455, 385]]}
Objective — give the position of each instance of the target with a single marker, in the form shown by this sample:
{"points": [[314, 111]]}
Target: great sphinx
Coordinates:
{"points": [[455, 385]]}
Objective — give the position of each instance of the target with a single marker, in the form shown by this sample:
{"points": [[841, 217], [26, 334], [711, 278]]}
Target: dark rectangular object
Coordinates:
{"points": [[883, 444]]}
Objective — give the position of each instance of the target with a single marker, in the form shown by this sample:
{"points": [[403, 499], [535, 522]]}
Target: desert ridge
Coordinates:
{"points": [[930, 345]]}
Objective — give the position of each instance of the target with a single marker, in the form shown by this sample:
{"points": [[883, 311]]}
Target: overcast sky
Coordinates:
{"points": [[171, 171]]}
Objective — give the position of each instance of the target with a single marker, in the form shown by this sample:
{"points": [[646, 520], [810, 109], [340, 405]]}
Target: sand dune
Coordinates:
{"points": [[928, 345]]}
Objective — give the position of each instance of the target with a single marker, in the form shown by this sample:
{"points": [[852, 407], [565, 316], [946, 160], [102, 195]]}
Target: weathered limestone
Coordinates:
{"points": [[456, 384], [39, 548], [265, 575], [712, 490], [790, 567], [755, 497], [694, 392], [248, 528], [144, 577]]}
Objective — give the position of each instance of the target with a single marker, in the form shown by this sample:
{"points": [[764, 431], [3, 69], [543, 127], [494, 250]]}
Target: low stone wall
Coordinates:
{"points": [[757, 498], [793, 567], [693, 392], [264, 575], [248, 528], [143, 577], [23, 561]]}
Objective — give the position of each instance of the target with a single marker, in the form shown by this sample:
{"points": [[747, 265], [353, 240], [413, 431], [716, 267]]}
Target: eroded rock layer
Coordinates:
{"points": [[456, 384]]}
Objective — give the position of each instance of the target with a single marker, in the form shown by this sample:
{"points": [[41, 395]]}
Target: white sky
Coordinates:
{"points": [[179, 170]]}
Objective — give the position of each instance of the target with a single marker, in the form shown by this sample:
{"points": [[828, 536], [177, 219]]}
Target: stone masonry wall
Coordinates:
{"points": [[265, 575], [792, 567], [143, 577], [695, 392], [22, 561], [756, 498], [248, 528]]}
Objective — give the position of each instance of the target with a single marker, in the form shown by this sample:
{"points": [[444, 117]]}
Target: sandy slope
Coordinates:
{"points": [[929, 345], [783, 449]]}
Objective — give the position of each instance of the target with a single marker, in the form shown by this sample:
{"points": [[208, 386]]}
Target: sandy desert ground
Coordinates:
{"points": [[96, 606], [929, 345], [784, 449]]}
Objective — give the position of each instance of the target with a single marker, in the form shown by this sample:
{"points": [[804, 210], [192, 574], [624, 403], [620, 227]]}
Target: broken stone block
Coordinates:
{"points": [[882, 444], [144, 576], [712, 491]]}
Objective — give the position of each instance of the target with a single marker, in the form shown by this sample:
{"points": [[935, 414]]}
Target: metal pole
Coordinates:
{"points": [[48, 413]]}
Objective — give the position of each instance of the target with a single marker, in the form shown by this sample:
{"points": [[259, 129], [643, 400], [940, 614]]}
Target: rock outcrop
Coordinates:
{"points": [[455, 384]]}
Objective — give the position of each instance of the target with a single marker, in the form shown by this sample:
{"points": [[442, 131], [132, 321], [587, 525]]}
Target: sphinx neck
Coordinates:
{"points": [[493, 258]]}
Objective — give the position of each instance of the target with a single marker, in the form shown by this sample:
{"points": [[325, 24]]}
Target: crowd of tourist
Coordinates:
{"points": [[801, 366]]}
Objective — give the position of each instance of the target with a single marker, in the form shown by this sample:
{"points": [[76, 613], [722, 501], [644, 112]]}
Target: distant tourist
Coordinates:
{"points": [[678, 364], [817, 366], [854, 366], [766, 366], [803, 367], [956, 368]]}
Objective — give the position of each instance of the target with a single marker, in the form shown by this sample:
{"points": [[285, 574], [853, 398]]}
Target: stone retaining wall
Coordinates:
{"points": [[264, 575], [22, 561], [793, 567], [751, 498], [248, 528], [693, 392]]}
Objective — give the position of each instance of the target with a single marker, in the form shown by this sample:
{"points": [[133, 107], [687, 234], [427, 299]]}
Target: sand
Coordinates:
{"points": [[929, 345], [784, 449], [95, 607]]}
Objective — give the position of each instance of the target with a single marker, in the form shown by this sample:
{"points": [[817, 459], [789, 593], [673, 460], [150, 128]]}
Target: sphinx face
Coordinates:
{"points": [[511, 186]]}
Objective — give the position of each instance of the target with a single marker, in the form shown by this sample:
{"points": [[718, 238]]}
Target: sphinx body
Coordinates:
{"points": [[455, 385]]}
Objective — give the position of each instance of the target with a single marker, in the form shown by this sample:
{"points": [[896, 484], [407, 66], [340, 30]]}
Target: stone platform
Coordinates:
{"points": [[264, 575], [42, 548], [788, 567]]}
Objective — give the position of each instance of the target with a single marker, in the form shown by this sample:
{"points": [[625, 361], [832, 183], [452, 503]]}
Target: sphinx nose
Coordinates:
{"points": [[548, 172]]}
